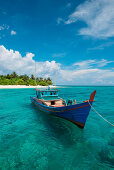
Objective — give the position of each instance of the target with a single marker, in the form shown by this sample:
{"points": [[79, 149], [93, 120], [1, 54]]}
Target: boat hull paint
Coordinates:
{"points": [[76, 114]]}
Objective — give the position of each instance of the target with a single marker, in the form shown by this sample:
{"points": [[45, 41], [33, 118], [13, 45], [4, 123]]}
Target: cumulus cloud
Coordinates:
{"points": [[89, 76], [88, 72], [98, 16], [13, 61], [13, 32]]}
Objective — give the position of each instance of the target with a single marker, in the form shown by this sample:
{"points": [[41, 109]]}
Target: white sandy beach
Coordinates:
{"points": [[22, 86]]}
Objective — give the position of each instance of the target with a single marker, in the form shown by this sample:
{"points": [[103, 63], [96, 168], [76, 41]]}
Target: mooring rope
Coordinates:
{"points": [[100, 115]]}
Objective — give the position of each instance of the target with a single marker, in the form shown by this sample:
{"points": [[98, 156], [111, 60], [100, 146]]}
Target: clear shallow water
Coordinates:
{"points": [[31, 139]]}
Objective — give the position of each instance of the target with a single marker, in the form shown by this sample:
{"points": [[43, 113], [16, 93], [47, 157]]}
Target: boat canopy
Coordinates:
{"points": [[43, 90], [46, 94]]}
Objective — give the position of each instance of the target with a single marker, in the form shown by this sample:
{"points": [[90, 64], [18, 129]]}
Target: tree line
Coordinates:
{"points": [[15, 79]]}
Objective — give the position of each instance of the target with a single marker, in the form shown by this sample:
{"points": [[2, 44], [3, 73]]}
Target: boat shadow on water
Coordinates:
{"points": [[62, 130]]}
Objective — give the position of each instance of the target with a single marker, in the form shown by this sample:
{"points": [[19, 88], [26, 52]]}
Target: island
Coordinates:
{"points": [[15, 79]]}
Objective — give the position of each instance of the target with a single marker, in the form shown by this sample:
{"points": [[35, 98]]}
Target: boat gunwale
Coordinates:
{"points": [[53, 108], [42, 99]]}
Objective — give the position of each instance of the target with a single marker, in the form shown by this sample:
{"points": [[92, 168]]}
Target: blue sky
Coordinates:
{"points": [[75, 38]]}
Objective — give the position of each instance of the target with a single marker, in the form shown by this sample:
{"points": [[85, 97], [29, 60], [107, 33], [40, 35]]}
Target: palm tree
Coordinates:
{"points": [[32, 77], [41, 79], [14, 75], [48, 79]]}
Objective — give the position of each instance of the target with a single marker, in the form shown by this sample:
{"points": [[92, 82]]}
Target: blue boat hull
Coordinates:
{"points": [[76, 113]]}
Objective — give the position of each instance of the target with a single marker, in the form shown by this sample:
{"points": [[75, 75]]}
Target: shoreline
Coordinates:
{"points": [[23, 87]]}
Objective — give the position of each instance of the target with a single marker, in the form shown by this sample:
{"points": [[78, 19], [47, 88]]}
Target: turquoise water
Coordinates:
{"points": [[31, 139]]}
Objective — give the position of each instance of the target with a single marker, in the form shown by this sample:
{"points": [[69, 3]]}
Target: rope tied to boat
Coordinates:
{"points": [[100, 115]]}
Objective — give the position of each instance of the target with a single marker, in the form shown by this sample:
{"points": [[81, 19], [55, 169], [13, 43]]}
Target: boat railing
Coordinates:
{"points": [[73, 102]]}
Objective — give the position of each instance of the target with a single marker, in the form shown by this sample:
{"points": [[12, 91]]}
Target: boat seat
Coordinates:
{"points": [[57, 105]]}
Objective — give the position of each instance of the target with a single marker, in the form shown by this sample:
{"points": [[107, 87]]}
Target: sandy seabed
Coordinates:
{"points": [[22, 86]]}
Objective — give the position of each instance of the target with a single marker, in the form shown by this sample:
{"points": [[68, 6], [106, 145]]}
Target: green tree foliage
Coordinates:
{"points": [[14, 75], [20, 82], [48, 79], [14, 79], [32, 77], [24, 77], [8, 76], [40, 79]]}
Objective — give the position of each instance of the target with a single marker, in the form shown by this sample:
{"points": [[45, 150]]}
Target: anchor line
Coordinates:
{"points": [[100, 115]]}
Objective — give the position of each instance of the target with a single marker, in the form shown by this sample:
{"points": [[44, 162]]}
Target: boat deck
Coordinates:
{"points": [[47, 98]]}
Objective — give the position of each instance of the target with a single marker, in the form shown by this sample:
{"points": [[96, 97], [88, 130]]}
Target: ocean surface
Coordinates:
{"points": [[31, 139]]}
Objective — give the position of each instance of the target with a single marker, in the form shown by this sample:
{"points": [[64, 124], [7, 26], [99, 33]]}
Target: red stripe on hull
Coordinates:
{"points": [[61, 110]]}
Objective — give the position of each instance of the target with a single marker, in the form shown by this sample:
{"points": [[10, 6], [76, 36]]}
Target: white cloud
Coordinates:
{"points": [[59, 55], [99, 17], [59, 20], [103, 63], [13, 32], [88, 72], [84, 64], [4, 27], [13, 61], [92, 63], [68, 5], [1, 28], [102, 46], [93, 76]]}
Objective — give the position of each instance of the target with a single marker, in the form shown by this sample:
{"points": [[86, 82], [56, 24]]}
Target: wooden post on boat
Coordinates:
{"points": [[35, 72], [55, 78]]}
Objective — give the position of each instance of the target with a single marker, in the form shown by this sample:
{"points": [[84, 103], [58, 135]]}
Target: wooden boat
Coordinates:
{"points": [[48, 101]]}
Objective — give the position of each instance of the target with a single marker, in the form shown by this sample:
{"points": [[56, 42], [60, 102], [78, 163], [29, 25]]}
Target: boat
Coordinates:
{"points": [[48, 100]]}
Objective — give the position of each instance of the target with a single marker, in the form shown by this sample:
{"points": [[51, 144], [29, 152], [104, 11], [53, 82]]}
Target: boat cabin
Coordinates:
{"points": [[49, 97]]}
